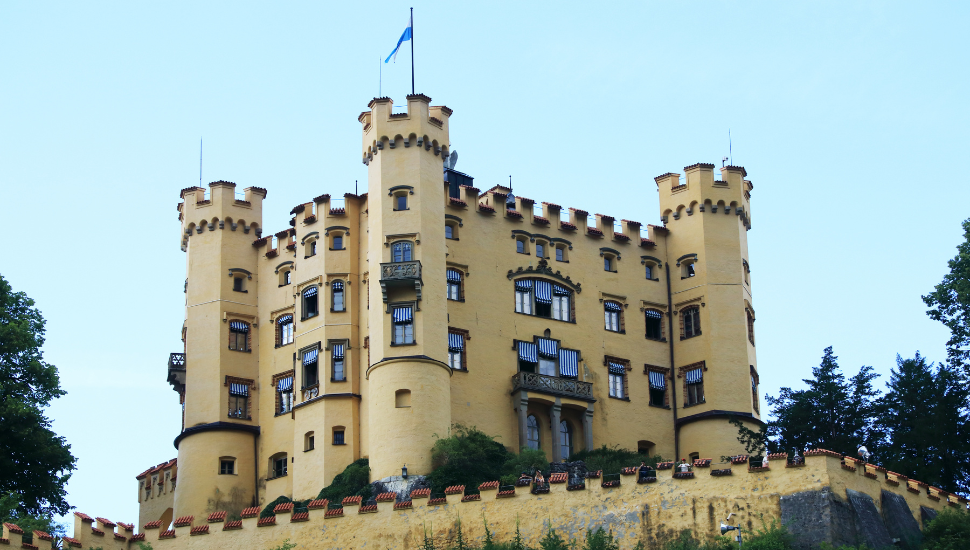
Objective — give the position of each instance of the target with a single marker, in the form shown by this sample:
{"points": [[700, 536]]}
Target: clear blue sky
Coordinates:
{"points": [[851, 119]]}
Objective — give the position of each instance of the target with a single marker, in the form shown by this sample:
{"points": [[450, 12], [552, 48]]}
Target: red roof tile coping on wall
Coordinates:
{"points": [[184, 521], [283, 508], [579, 212], [524, 200], [298, 208], [352, 501], [35, 547], [698, 165], [402, 505], [97, 531], [263, 522], [647, 243], [419, 96], [632, 223], [138, 537], [593, 231], [386, 497], [153, 524], [230, 525], [567, 225], [119, 536], [420, 493], [457, 202], [260, 190], [488, 485], [446, 110], [126, 526], [659, 228], [485, 208], [83, 516], [662, 176], [42, 535], [513, 214], [367, 509], [300, 516], [249, 512], [744, 173], [437, 500], [777, 456], [558, 477], [335, 513], [317, 504], [620, 237], [552, 206], [540, 219], [7, 541], [322, 198], [70, 542], [353, 196], [14, 528], [702, 462], [604, 217], [822, 452], [629, 470], [216, 517], [471, 189], [199, 530], [455, 490], [470, 498], [170, 534]]}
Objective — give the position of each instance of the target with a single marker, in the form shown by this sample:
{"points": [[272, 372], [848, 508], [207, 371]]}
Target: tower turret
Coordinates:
{"points": [[409, 387]]}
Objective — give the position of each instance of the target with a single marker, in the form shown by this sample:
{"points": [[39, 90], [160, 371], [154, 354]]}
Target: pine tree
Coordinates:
{"points": [[903, 416], [949, 302]]}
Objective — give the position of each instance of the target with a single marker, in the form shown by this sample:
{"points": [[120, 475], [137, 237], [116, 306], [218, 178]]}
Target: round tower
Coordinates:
{"points": [[409, 386], [220, 418], [712, 349]]}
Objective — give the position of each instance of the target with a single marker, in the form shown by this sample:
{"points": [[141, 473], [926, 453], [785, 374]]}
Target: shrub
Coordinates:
{"points": [[268, 510], [949, 531], [467, 457], [353, 481], [612, 459], [600, 540], [287, 545]]}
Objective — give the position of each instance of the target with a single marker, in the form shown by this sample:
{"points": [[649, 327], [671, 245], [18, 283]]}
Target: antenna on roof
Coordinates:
{"points": [[730, 151], [200, 161], [355, 188]]}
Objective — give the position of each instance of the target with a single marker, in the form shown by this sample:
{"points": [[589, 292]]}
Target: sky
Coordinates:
{"points": [[851, 119]]}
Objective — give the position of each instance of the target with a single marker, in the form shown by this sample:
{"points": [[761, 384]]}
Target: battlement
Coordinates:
{"points": [[650, 509], [423, 125], [221, 210], [700, 192]]}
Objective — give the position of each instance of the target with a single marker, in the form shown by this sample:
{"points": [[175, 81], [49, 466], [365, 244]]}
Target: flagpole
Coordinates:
{"points": [[412, 51]]}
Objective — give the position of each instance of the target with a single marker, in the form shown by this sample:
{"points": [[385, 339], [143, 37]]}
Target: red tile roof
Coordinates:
{"points": [[106, 522], [184, 521], [352, 501], [153, 524], [250, 512], [83, 516], [402, 505], [127, 526], [72, 542], [300, 516], [13, 528], [469, 498], [386, 497], [216, 517], [455, 490], [315, 504], [367, 509], [230, 525], [42, 535], [170, 534], [334, 513], [200, 530], [420, 493], [488, 485], [139, 536], [558, 477], [119, 536], [283, 507], [263, 522], [97, 531]]}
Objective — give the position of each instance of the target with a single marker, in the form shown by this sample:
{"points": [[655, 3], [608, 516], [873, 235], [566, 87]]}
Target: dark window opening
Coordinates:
{"points": [[227, 467], [657, 397], [237, 284], [654, 324], [338, 437], [401, 202], [338, 242], [279, 466]]}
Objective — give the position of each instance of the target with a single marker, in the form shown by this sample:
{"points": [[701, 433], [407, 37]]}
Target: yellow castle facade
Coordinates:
{"points": [[377, 321]]}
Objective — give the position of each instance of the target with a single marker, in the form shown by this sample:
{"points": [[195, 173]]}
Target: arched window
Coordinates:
{"points": [[565, 439], [532, 432], [401, 252], [750, 326], [520, 246], [308, 441], [449, 232], [310, 308], [690, 322], [655, 326], [540, 250], [284, 335], [277, 465], [337, 291]]}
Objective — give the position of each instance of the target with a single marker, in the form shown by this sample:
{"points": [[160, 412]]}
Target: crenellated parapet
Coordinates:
{"points": [[221, 209], [699, 192], [422, 126]]}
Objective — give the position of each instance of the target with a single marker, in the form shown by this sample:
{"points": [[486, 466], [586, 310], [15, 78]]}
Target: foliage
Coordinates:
{"points": [[756, 443], [770, 537], [353, 481], [11, 512], [527, 461], [612, 459], [552, 541], [268, 510], [287, 545], [924, 415], [686, 541], [832, 413], [600, 540], [949, 302], [467, 457], [949, 531], [35, 463], [145, 546]]}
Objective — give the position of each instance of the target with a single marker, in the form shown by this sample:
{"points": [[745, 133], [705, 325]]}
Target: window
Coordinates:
{"points": [[403, 322], [540, 250], [338, 374], [284, 333], [543, 299], [750, 326], [277, 465], [658, 388], [453, 280], [693, 457], [550, 360], [311, 247], [694, 386], [308, 441], [337, 296], [690, 319], [449, 232], [565, 440], [284, 395], [612, 311], [238, 400], [237, 284], [227, 466], [609, 263], [338, 242], [754, 389], [310, 370], [520, 246], [655, 325], [532, 432], [523, 296], [401, 202], [560, 254], [617, 375], [310, 303], [560, 303], [687, 268], [649, 272], [401, 252], [402, 399], [456, 350], [238, 335], [548, 354], [338, 437], [285, 277]]}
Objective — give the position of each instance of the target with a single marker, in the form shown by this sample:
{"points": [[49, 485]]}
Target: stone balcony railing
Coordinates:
{"points": [[553, 385], [401, 274], [176, 371]]}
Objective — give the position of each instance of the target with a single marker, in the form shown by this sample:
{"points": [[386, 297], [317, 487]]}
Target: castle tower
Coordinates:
{"points": [[220, 361], [714, 368], [409, 386]]}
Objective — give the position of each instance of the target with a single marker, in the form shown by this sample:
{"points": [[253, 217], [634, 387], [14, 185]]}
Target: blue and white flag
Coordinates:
{"points": [[404, 37]]}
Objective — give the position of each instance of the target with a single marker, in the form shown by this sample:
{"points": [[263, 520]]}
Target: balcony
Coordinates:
{"points": [[176, 371], [401, 274], [553, 385]]}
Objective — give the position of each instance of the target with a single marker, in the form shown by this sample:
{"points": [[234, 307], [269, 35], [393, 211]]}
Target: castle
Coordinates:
{"points": [[376, 321]]}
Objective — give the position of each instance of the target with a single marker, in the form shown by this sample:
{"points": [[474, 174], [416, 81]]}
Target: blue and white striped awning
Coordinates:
{"points": [[548, 348], [612, 306], [402, 315], [456, 342], [654, 314], [560, 290], [694, 376], [527, 352], [239, 326], [312, 291], [285, 384], [285, 319], [337, 285], [239, 389], [338, 351], [310, 356], [568, 363], [523, 285], [657, 380], [544, 292], [616, 368], [454, 276]]}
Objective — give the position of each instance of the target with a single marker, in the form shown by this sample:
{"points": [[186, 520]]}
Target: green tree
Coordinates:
{"points": [[600, 540], [353, 481], [467, 457], [35, 463], [949, 302], [949, 531]]}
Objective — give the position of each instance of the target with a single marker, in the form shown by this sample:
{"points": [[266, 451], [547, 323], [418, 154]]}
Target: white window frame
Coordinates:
{"points": [[560, 307], [523, 302], [616, 385], [612, 320]]}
